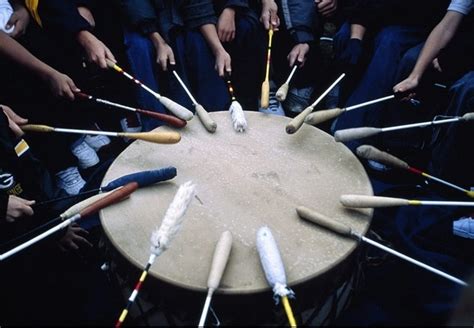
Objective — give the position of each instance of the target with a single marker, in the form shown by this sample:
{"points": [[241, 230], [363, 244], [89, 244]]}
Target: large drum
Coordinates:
{"points": [[243, 181]]}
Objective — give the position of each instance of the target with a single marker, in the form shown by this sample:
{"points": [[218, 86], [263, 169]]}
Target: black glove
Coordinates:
{"points": [[350, 56]]}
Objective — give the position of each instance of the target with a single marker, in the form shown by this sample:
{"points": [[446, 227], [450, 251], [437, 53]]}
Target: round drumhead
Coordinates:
{"points": [[243, 182]]}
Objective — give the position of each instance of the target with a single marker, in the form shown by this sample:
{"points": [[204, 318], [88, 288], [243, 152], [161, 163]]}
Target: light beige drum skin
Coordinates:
{"points": [[243, 181]]}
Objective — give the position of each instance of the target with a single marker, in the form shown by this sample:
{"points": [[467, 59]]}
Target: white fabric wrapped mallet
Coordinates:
{"points": [[236, 112], [274, 270], [162, 237], [238, 118]]}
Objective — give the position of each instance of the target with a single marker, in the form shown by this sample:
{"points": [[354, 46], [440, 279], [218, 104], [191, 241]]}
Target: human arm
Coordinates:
{"points": [[73, 238], [326, 8], [164, 53], [19, 19], [72, 22], [17, 208], [14, 120], [298, 54], [437, 40], [60, 84], [226, 25], [223, 61], [269, 17]]}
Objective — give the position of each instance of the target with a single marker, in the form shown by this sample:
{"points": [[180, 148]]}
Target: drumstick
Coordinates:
{"points": [[296, 122], [372, 153], [364, 132], [161, 238], [203, 115], [265, 95], [168, 137], [347, 231], [219, 262], [274, 270], [143, 178], [236, 112], [171, 120], [363, 201], [327, 114], [93, 208], [283, 90], [172, 106], [71, 211]]}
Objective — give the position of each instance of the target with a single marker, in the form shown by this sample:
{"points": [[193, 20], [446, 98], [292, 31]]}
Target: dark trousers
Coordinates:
{"points": [[379, 76], [452, 142], [247, 51], [195, 65]]}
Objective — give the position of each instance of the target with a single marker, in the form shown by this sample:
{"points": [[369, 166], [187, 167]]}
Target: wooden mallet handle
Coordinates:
{"points": [[205, 118], [155, 137], [297, 122], [176, 109], [112, 198], [324, 221], [323, 115], [363, 201], [219, 260], [372, 153], [76, 208], [355, 133], [37, 128], [171, 120]]}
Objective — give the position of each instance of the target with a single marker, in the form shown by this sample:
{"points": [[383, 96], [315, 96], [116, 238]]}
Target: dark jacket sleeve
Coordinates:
{"points": [[370, 13], [141, 15], [3, 206], [299, 17], [62, 16], [237, 3], [198, 12]]}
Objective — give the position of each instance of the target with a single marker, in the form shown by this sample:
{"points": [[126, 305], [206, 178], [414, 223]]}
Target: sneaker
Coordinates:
{"points": [[298, 99], [70, 180], [131, 123], [97, 142], [86, 156], [464, 227], [274, 106]]}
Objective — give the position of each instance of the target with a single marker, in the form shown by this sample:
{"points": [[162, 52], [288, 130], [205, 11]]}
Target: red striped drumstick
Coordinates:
{"points": [[161, 238], [372, 153], [172, 106], [171, 120]]}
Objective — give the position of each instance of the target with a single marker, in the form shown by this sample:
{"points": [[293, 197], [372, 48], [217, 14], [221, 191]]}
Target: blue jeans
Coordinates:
{"points": [[247, 51], [195, 65], [389, 44], [142, 59]]}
